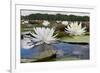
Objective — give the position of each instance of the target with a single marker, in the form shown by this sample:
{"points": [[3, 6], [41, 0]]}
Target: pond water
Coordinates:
{"points": [[63, 51]]}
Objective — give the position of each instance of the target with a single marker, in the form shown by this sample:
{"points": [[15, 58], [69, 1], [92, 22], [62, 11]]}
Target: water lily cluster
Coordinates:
{"points": [[46, 35], [40, 35]]}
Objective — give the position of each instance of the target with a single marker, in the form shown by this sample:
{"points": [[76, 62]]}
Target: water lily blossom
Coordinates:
{"points": [[43, 35], [65, 23], [75, 29], [46, 23], [26, 43], [58, 21]]}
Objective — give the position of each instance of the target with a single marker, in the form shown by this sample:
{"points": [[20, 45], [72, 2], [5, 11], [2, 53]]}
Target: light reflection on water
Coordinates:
{"points": [[63, 49]]}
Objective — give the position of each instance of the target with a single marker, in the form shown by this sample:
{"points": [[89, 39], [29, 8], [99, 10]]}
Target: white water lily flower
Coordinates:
{"points": [[46, 23], [43, 35], [75, 29], [65, 22], [26, 43], [58, 21]]}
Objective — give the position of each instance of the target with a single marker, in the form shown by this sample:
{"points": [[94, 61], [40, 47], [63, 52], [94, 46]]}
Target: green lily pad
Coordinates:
{"points": [[76, 39]]}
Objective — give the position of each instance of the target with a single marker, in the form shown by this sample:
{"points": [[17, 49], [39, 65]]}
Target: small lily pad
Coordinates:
{"points": [[77, 39]]}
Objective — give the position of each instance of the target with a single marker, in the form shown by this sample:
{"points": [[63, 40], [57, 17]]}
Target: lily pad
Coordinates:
{"points": [[76, 39]]}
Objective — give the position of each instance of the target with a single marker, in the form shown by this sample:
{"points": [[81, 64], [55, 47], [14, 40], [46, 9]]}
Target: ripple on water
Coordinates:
{"points": [[63, 49]]}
